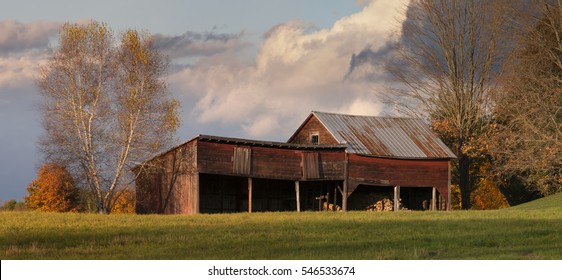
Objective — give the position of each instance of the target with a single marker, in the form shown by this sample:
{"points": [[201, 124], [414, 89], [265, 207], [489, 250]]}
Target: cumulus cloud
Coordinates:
{"points": [[21, 37], [192, 44], [298, 68]]}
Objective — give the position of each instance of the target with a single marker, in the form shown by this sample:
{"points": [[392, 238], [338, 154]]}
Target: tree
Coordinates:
{"points": [[13, 205], [528, 111], [54, 190], [446, 66], [487, 194], [105, 106]]}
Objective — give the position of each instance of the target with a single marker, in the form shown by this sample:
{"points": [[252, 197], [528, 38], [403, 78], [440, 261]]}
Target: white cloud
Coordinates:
{"points": [[19, 70], [297, 69]]}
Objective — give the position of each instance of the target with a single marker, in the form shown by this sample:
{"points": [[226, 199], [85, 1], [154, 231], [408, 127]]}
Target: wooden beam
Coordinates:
{"points": [[433, 198], [396, 198], [298, 195], [249, 194]]}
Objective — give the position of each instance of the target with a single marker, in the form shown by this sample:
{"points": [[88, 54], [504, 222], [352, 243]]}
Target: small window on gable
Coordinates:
{"points": [[314, 139]]}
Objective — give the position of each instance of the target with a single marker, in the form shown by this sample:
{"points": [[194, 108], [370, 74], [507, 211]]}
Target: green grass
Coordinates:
{"points": [[553, 202], [532, 231]]}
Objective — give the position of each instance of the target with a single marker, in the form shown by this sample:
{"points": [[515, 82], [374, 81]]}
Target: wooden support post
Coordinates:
{"points": [[448, 202], [195, 197], [298, 195], [345, 183], [433, 199], [249, 194], [335, 197], [396, 198]]}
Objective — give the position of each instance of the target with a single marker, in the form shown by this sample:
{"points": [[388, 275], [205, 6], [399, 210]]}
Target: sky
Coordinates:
{"points": [[247, 68]]}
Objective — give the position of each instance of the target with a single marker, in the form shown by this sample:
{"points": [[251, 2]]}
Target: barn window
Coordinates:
{"points": [[314, 139], [310, 166], [242, 160]]}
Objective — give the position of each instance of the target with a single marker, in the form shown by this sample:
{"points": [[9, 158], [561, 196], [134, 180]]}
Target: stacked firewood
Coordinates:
{"points": [[330, 207], [384, 204]]}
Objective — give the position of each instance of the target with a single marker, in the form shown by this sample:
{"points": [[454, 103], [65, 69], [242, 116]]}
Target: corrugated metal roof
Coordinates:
{"points": [[384, 136]]}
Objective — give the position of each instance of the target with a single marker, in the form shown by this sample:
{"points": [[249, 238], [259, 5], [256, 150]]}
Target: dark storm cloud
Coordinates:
{"points": [[367, 58], [192, 44]]}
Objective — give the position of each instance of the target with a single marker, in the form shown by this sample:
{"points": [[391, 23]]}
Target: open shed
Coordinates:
{"points": [[332, 162]]}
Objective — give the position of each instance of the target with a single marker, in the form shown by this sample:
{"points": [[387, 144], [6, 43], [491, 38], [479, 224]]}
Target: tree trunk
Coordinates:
{"points": [[464, 180]]}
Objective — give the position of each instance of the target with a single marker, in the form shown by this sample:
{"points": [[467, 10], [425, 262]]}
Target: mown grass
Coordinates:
{"points": [[532, 231]]}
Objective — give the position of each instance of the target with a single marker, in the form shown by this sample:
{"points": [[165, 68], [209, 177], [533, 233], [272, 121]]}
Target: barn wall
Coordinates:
{"points": [[166, 183], [313, 125], [147, 192], [268, 162], [399, 172], [276, 163], [215, 158]]}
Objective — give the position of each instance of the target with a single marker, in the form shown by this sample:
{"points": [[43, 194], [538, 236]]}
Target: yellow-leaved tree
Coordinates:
{"points": [[54, 190], [105, 107]]}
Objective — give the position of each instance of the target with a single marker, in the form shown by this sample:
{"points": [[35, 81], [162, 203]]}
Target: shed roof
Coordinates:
{"points": [[269, 144], [384, 136]]}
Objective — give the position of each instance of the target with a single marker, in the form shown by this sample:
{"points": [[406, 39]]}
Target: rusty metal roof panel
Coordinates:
{"points": [[384, 136]]}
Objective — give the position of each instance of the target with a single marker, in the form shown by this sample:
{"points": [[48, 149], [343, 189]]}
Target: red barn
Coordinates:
{"points": [[331, 162]]}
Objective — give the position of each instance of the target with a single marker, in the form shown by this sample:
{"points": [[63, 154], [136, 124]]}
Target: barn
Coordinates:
{"points": [[331, 162]]}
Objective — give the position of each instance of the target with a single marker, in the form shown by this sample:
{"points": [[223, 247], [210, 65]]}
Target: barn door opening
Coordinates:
{"points": [[321, 195], [222, 194], [416, 198]]}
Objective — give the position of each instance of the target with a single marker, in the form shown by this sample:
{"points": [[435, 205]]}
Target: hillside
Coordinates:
{"points": [[551, 202]]}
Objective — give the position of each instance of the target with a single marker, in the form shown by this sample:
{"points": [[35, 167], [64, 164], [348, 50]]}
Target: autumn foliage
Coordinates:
{"points": [[125, 202], [487, 196], [54, 190]]}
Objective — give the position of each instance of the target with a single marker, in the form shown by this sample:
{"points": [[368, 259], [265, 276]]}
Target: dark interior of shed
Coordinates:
{"points": [[227, 194]]}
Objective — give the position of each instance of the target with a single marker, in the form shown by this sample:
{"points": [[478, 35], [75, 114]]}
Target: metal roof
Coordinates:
{"points": [[385, 136]]}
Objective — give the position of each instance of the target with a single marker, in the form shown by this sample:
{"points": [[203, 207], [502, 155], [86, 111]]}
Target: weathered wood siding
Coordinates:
{"points": [[168, 184], [266, 162], [274, 163], [398, 172], [313, 126]]}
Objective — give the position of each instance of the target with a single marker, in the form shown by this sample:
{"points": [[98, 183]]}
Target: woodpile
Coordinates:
{"points": [[384, 204], [330, 207], [380, 202]]}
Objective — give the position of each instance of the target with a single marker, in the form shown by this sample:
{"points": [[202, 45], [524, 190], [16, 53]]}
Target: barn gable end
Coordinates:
{"points": [[310, 127]]}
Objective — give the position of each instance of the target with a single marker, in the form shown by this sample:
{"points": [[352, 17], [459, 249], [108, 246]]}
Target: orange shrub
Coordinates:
{"points": [[54, 190], [125, 203]]}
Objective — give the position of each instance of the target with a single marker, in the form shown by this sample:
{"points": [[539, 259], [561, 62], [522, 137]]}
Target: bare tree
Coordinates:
{"points": [[445, 66], [528, 143], [105, 106]]}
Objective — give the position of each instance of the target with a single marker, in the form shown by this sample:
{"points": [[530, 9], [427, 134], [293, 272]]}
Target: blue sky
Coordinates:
{"points": [[251, 69]]}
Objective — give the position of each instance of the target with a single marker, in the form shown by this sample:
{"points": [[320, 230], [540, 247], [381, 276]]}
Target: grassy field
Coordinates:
{"points": [[530, 231]]}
